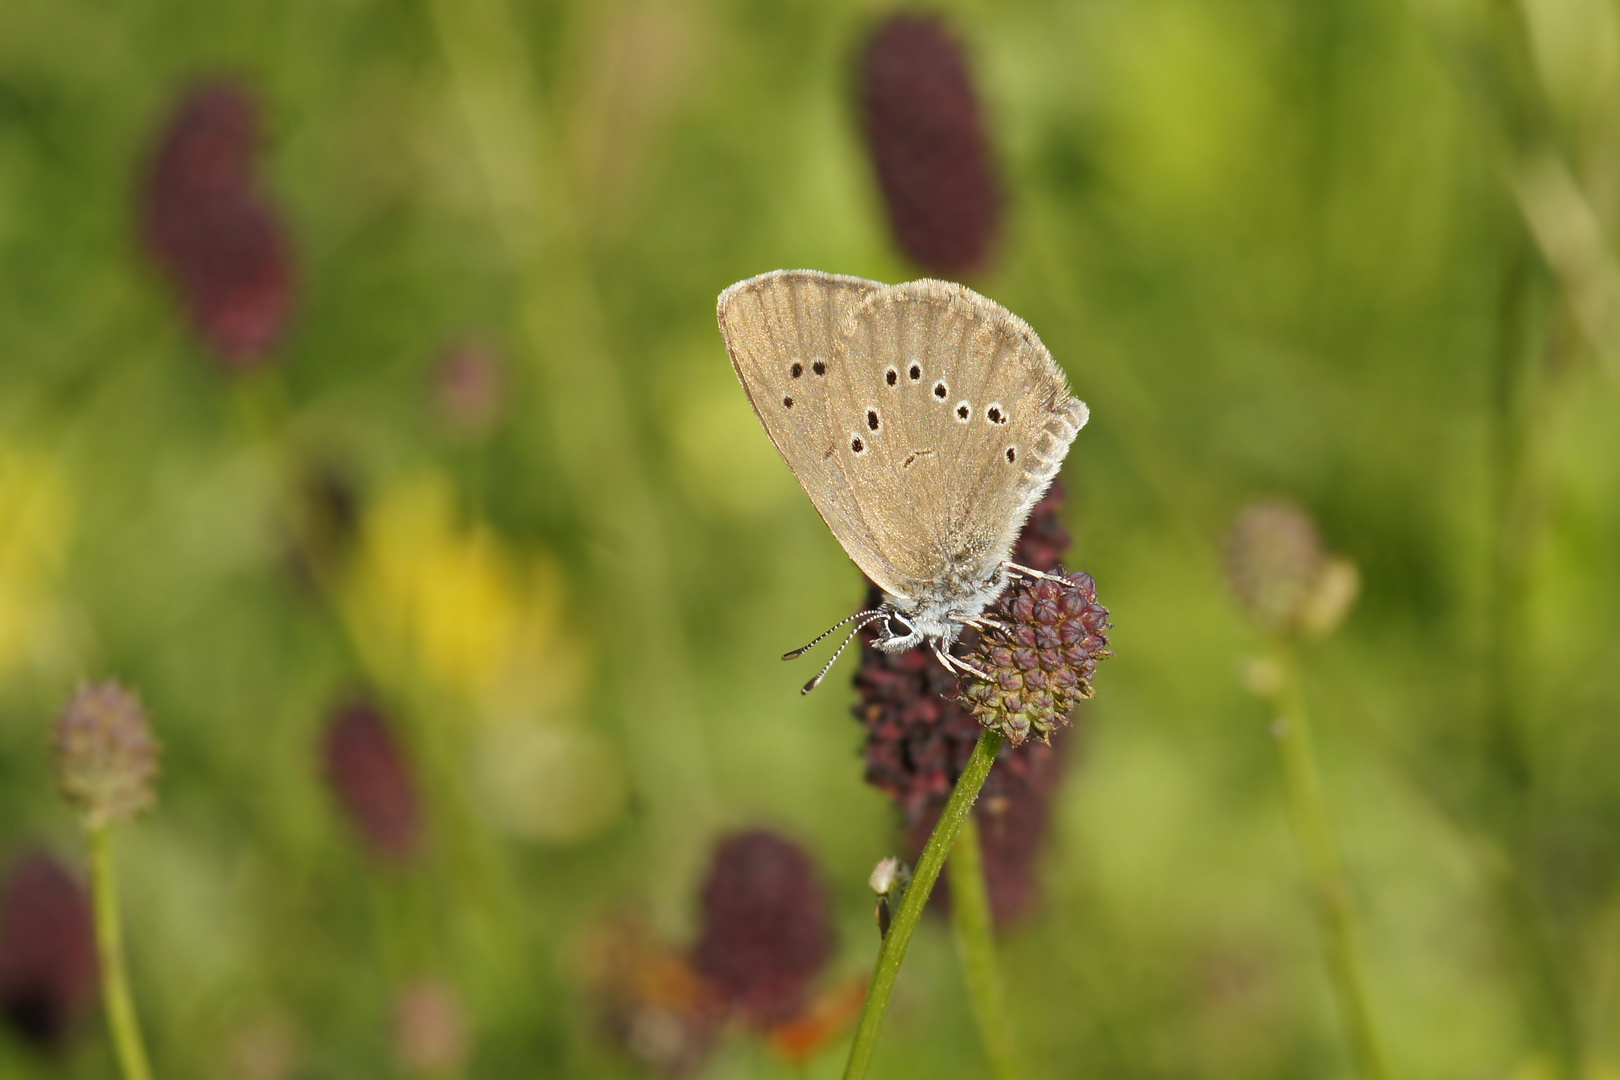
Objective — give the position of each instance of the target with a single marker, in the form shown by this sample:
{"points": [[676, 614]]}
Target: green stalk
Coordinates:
{"points": [[120, 1006], [975, 945], [1325, 867], [893, 951]]}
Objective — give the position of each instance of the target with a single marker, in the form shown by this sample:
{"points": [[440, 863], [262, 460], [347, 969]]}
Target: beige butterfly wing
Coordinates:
{"points": [[949, 419], [781, 331]]}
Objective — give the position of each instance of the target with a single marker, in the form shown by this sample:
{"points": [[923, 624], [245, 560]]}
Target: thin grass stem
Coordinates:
{"points": [[1330, 887], [972, 924], [898, 940], [120, 1006]]}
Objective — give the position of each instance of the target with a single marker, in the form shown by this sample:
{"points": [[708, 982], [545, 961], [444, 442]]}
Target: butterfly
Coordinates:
{"points": [[923, 421]]}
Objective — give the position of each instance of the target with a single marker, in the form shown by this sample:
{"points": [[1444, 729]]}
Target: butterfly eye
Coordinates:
{"points": [[897, 627]]}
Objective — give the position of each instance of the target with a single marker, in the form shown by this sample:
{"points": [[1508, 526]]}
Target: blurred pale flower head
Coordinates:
{"points": [[445, 604], [649, 998], [1282, 576], [106, 755], [430, 1029], [36, 527], [470, 386], [265, 1047]]}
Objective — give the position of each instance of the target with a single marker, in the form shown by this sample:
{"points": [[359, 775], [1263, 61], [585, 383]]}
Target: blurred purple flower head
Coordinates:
{"points": [[924, 131], [208, 226], [371, 779], [767, 931], [48, 966], [469, 388]]}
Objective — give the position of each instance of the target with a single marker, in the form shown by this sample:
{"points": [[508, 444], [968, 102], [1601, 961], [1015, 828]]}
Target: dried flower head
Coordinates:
{"points": [[48, 966], [651, 1001], [368, 773], [1281, 575], [889, 880], [918, 736], [208, 226], [1041, 652], [106, 755], [923, 129], [767, 931]]}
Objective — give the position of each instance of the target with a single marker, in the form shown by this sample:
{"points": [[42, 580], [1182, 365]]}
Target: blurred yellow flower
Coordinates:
{"points": [[447, 602], [36, 525]]}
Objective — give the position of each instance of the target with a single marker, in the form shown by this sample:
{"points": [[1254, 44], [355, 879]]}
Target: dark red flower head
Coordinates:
{"points": [[48, 964], [368, 773], [209, 227], [766, 929], [1040, 654], [924, 131]]}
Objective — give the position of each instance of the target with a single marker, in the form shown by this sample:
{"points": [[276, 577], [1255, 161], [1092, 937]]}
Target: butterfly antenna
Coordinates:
{"points": [[872, 617], [819, 638]]}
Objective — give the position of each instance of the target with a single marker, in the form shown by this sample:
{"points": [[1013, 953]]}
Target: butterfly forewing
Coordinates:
{"points": [[781, 331]]}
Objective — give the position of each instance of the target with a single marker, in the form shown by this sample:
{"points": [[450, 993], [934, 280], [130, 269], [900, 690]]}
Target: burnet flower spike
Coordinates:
{"points": [[106, 764]]}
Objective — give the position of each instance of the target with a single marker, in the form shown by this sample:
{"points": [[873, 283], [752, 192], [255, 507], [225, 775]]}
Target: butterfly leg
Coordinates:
{"points": [[979, 622], [1037, 574], [952, 664]]}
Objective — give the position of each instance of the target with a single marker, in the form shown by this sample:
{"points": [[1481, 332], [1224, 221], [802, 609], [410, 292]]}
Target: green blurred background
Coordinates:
{"points": [[1346, 252]]}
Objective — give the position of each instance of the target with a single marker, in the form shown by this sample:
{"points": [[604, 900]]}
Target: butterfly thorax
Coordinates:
{"points": [[936, 616]]}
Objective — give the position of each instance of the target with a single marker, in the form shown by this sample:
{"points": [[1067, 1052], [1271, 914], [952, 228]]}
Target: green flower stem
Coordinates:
{"points": [[121, 1023], [1314, 829], [893, 951], [975, 945]]}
